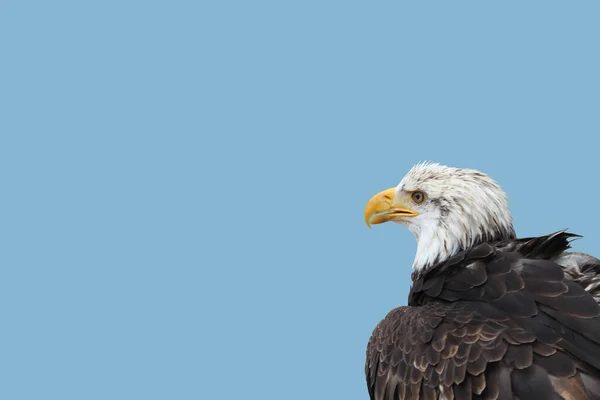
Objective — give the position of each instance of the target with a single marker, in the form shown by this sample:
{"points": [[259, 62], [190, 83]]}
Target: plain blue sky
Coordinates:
{"points": [[183, 183]]}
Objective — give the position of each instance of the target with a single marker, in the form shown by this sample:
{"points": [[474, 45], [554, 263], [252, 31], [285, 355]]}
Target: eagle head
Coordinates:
{"points": [[447, 209]]}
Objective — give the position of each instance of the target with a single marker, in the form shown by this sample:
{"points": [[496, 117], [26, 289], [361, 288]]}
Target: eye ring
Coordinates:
{"points": [[418, 197]]}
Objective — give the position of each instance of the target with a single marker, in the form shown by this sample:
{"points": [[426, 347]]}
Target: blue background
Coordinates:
{"points": [[183, 183]]}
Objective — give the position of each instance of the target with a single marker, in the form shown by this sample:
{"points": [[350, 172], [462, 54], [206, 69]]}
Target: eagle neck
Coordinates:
{"points": [[433, 246], [437, 245]]}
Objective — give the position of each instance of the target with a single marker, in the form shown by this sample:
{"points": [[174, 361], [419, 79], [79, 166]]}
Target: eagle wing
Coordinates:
{"points": [[490, 323]]}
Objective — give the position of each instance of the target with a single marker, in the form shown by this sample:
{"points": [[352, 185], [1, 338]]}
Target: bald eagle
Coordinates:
{"points": [[489, 315]]}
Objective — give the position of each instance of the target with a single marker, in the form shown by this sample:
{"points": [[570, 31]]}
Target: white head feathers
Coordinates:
{"points": [[462, 207]]}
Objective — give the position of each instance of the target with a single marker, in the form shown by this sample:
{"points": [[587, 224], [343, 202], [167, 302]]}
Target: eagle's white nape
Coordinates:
{"points": [[462, 208]]}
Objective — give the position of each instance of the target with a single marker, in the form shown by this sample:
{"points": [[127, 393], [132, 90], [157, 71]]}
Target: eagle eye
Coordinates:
{"points": [[418, 196]]}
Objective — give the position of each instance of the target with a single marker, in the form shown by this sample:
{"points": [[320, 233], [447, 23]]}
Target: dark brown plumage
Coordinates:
{"points": [[501, 320]]}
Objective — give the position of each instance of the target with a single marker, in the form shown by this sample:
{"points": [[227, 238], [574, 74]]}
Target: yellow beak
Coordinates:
{"points": [[383, 208]]}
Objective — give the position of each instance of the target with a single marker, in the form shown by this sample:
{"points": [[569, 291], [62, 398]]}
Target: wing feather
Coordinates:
{"points": [[501, 322]]}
